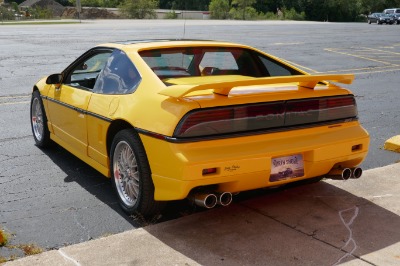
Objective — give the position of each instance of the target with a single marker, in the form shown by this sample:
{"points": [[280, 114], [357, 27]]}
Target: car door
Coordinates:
{"points": [[68, 102], [118, 79]]}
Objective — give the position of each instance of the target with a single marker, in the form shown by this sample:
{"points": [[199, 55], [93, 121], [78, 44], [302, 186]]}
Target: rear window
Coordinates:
{"points": [[205, 61]]}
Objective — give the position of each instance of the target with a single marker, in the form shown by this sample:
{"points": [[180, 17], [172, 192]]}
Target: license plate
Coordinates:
{"points": [[288, 167]]}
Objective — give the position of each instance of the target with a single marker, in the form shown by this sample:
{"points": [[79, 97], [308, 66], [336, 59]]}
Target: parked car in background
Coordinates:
{"points": [[380, 18], [396, 18]]}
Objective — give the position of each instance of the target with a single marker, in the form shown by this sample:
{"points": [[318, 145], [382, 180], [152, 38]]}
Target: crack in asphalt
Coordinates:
{"points": [[64, 255], [348, 224], [75, 215]]}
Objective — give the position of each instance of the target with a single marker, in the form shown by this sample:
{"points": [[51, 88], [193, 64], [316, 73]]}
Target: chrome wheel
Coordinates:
{"points": [[131, 175], [37, 119], [126, 174]]}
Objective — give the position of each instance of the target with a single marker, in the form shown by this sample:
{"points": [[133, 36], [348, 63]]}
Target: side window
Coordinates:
{"points": [[119, 75], [84, 75]]}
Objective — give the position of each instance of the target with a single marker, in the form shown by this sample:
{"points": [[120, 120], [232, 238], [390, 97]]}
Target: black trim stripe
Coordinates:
{"points": [[82, 111]]}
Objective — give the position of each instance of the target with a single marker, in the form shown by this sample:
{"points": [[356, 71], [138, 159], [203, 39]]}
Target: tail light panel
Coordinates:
{"points": [[300, 112], [265, 116]]}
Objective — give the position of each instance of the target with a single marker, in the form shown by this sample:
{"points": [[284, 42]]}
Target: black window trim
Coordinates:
{"points": [[67, 72]]}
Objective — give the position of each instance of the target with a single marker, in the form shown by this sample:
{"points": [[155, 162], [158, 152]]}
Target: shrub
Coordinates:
{"points": [[3, 238], [292, 14], [171, 15]]}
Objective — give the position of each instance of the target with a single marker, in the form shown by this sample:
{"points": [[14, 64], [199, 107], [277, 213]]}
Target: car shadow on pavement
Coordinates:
{"points": [[51, 199], [101, 187], [316, 224], [89, 179]]}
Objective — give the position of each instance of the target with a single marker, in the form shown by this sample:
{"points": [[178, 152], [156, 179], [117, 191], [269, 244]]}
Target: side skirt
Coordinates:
{"points": [[97, 166]]}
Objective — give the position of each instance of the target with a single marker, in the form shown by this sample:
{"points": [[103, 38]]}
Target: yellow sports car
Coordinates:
{"points": [[175, 119]]}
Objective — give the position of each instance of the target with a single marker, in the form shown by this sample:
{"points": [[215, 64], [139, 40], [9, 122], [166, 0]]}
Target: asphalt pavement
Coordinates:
{"points": [[353, 222]]}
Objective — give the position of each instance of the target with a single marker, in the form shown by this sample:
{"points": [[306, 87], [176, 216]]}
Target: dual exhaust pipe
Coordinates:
{"points": [[345, 173], [210, 200]]}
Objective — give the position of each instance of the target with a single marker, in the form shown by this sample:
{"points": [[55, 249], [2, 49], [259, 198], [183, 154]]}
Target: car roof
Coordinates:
{"points": [[138, 45]]}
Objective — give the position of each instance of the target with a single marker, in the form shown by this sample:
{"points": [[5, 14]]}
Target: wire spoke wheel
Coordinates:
{"points": [[126, 174], [37, 119], [131, 175], [40, 130]]}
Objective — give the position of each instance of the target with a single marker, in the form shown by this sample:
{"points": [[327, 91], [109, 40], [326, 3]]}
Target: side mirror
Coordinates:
{"points": [[54, 79]]}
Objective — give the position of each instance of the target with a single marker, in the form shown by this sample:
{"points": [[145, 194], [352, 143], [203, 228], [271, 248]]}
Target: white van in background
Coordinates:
{"points": [[392, 11]]}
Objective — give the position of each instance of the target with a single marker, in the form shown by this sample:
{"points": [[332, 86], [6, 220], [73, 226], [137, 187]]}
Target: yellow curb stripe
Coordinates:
{"points": [[393, 144]]}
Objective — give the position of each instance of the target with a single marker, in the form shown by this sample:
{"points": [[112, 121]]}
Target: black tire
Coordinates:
{"points": [[131, 175], [39, 126]]}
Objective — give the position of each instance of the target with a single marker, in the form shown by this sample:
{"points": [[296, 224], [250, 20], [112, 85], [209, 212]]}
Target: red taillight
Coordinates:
{"points": [[319, 110], [204, 117], [236, 119], [231, 120]]}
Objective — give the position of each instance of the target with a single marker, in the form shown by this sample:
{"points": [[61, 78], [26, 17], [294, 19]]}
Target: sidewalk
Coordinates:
{"points": [[327, 223]]}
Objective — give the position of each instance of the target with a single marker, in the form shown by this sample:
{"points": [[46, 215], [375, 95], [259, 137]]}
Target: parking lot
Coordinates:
{"points": [[52, 191]]}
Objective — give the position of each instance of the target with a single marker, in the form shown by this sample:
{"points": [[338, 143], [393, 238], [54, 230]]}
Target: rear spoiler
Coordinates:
{"points": [[223, 88]]}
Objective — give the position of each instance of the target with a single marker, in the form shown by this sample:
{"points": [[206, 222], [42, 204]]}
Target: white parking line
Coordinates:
{"points": [[15, 103], [10, 100]]}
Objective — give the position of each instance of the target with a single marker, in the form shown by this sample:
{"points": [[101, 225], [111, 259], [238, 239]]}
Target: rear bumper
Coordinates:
{"points": [[244, 163]]}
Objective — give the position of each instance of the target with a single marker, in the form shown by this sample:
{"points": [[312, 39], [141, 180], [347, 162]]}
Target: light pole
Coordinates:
{"points": [[79, 9]]}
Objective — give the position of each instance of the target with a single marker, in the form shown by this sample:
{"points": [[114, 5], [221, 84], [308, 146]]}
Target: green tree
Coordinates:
{"points": [[92, 3], [242, 7], [171, 15], [6, 14], [185, 4], [139, 9], [370, 6], [290, 14], [219, 9], [41, 13]]}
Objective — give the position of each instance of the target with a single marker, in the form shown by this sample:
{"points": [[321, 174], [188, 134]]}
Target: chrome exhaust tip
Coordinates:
{"points": [[357, 172], [205, 200], [340, 174], [225, 198]]}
